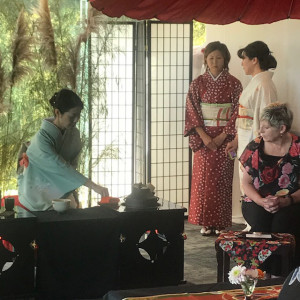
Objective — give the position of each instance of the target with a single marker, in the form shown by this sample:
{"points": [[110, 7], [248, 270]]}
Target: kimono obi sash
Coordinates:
{"points": [[215, 114], [245, 118]]}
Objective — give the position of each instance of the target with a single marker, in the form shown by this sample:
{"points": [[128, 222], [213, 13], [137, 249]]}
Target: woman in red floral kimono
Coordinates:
{"points": [[211, 111]]}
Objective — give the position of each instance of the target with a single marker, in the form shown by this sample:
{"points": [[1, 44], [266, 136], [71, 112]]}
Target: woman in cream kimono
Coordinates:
{"points": [[261, 91], [211, 110], [51, 158]]}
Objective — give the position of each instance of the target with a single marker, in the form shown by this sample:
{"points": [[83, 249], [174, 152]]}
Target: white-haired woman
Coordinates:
{"points": [[271, 175]]}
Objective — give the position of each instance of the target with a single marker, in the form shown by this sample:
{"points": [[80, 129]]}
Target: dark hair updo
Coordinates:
{"points": [[213, 46], [64, 100], [261, 51]]}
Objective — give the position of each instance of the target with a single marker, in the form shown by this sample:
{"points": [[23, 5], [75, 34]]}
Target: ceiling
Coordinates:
{"points": [[206, 11]]}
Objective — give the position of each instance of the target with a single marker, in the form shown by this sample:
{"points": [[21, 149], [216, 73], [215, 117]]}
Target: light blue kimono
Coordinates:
{"points": [[51, 171]]}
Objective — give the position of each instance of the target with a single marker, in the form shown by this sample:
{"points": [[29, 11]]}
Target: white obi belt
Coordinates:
{"points": [[245, 118], [215, 114]]}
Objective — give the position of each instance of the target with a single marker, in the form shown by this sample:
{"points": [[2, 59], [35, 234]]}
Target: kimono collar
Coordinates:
{"points": [[264, 74], [212, 76], [48, 126]]}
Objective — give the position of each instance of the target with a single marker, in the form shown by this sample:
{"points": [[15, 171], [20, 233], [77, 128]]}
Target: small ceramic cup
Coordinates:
{"points": [[61, 205]]}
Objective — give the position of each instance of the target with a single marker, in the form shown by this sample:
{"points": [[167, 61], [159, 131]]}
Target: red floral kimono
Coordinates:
{"points": [[211, 103]]}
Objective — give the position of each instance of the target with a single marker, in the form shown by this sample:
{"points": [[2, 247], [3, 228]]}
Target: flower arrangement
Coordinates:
{"points": [[247, 278], [240, 273]]}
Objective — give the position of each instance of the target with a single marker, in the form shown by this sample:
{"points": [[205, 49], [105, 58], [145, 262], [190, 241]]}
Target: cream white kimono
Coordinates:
{"points": [[260, 92]]}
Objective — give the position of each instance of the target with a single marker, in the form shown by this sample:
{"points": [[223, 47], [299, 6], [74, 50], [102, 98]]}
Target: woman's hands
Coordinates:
{"points": [[103, 191], [273, 204], [99, 189], [270, 203], [232, 146], [219, 139], [211, 143]]}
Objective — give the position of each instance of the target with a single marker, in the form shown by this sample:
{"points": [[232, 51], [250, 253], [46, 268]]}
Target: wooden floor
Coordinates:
{"points": [[200, 255]]}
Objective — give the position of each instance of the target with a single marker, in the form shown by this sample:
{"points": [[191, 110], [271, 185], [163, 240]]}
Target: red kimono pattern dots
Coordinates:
{"points": [[211, 189]]}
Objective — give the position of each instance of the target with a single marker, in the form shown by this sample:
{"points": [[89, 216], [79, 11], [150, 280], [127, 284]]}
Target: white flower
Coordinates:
{"points": [[237, 274]]}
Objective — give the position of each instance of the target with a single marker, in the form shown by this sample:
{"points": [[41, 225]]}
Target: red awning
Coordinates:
{"points": [[206, 11]]}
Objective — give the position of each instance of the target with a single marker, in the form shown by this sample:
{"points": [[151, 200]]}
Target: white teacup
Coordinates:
{"points": [[61, 205]]}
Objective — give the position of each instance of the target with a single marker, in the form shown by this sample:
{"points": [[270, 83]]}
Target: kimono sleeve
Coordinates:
{"points": [[235, 95], [43, 155], [193, 116], [265, 94]]}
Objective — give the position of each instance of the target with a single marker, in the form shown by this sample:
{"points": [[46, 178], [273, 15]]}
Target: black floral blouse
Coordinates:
{"points": [[272, 175]]}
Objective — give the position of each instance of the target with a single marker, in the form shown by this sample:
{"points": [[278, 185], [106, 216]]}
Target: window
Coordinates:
{"points": [[138, 108]]}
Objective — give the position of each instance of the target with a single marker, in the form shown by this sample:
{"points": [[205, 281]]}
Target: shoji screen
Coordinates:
{"points": [[170, 73]]}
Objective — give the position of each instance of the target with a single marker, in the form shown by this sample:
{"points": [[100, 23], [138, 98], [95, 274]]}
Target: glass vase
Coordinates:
{"points": [[248, 287]]}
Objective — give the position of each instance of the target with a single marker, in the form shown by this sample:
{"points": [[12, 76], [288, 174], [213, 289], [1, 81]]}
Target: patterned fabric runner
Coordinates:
{"points": [[260, 293], [251, 252]]}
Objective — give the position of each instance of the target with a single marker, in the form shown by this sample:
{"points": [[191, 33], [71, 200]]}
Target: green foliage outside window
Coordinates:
{"points": [[198, 33], [44, 47]]}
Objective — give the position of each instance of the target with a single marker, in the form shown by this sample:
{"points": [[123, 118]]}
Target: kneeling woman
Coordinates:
{"points": [[50, 171], [271, 175]]}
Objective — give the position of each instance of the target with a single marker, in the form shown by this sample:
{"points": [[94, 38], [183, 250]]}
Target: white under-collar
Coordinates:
{"points": [[215, 78], [267, 74]]}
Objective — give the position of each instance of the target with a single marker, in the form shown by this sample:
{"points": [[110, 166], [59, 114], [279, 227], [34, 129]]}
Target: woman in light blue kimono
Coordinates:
{"points": [[51, 158]]}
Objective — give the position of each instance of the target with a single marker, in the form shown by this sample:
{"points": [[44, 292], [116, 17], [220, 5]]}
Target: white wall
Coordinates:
{"points": [[283, 40]]}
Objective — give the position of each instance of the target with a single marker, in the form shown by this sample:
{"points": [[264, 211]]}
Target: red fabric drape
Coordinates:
{"points": [[206, 11]]}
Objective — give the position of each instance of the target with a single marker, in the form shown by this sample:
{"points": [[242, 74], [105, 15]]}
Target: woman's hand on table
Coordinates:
{"points": [[103, 191]]}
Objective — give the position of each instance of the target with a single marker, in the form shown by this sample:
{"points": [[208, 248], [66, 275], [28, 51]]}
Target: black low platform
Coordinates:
{"points": [[84, 253]]}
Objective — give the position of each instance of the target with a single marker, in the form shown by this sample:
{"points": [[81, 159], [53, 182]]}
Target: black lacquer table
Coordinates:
{"points": [[17, 263]]}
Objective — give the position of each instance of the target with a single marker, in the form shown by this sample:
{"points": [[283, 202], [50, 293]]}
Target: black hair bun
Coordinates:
{"points": [[53, 100]]}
